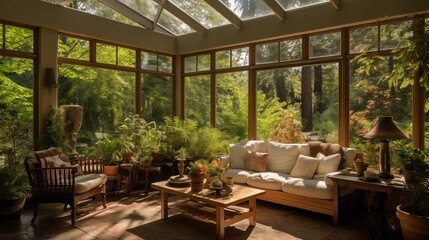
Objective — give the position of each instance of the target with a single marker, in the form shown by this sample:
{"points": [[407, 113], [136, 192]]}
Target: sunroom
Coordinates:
{"points": [[291, 71]]}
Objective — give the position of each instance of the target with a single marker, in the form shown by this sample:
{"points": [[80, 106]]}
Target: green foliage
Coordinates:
{"points": [[198, 166], [207, 143], [177, 134], [15, 144], [54, 134], [110, 150], [140, 137], [415, 163], [288, 130], [13, 182]]}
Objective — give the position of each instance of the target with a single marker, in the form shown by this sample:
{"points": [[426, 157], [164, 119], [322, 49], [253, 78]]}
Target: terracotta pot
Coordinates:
{"points": [[111, 170], [360, 167], [197, 181], [413, 226], [127, 156]]}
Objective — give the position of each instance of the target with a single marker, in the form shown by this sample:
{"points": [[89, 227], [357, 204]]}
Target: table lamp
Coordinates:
{"points": [[385, 130]]}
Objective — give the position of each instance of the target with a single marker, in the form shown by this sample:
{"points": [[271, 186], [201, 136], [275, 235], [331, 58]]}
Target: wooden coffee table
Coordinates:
{"points": [[206, 206]]}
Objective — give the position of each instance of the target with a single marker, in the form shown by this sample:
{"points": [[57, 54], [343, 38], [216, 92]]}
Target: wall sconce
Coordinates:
{"points": [[50, 78], [385, 130]]}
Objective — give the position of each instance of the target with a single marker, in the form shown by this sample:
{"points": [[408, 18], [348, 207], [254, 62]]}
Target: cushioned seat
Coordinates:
{"points": [[239, 175], [84, 183], [266, 180], [56, 179], [311, 188]]}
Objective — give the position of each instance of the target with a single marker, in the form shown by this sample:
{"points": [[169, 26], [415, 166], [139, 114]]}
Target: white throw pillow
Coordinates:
{"points": [[305, 167], [54, 162], [238, 156], [328, 164], [282, 157]]}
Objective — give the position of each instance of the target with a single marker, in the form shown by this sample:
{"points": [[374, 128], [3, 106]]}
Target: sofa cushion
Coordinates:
{"points": [[237, 156], [305, 167], [257, 146], [266, 180], [282, 157], [327, 164], [256, 161], [311, 188], [239, 175], [87, 182]]}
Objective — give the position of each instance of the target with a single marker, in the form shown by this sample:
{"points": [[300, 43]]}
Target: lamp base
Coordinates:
{"points": [[386, 176]]}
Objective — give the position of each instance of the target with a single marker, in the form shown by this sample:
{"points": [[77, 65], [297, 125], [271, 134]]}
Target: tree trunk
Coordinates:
{"points": [[281, 88], [306, 99], [318, 106]]}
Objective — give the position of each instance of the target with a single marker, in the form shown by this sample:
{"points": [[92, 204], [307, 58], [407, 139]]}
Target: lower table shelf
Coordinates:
{"points": [[207, 213]]}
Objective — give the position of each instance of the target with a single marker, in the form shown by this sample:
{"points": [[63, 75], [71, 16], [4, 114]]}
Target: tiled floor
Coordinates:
{"points": [[137, 216]]}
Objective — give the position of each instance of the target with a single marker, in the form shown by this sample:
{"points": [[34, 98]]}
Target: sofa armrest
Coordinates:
{"points": [[328, 180]]}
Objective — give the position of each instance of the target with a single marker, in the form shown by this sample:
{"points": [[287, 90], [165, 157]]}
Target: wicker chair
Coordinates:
{"points": [[56, 179]]}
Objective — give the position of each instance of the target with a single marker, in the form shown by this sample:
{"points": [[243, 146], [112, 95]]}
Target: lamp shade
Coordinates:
{"points": [[385, 128]]}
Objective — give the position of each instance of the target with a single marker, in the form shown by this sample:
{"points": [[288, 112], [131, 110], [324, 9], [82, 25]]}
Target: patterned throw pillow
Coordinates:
{"points": [[256, 161], [53, 162]]}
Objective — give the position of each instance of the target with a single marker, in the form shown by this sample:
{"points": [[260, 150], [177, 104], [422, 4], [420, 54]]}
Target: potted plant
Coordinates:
{"points": [[197, 172], [414, 215], [15, 143], [215, 170], [110, 151]]}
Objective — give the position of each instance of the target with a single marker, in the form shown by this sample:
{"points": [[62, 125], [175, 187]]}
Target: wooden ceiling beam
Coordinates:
{"points": [[276, 8], [225, 12]]}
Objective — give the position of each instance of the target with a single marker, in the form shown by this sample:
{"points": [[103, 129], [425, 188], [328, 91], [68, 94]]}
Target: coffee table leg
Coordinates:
{"points": [[252, 207], [164, 205], [220, 222]]}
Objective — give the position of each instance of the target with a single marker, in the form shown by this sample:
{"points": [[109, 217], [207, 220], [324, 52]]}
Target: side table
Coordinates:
{"points": [[378, 194], [126, 171], [147, 171]]}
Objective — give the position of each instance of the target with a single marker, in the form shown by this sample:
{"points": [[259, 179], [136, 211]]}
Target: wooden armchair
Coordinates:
{"points": [[56, 179]]}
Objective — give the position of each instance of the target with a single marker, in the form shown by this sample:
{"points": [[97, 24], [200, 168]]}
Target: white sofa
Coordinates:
{"points": [[290, 177]]}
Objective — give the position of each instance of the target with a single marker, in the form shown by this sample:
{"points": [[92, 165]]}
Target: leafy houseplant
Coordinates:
{"points": [[197, 171], [414, 216], [110, 151], [15, 143]]}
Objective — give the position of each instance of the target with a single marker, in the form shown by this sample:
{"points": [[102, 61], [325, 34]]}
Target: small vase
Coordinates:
{"points": [[360, 167], [197, 181]]}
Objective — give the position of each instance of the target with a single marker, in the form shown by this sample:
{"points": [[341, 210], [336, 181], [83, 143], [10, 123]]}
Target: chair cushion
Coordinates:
{"points": [[256, 161], [266, 180], [282, 157], [87, 182]]}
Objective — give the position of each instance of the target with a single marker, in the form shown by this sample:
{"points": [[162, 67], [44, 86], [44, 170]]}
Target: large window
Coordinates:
{"points": [[232, 103], [107, 96], [372, 96], [197, 99], [305, 95], [157, 97], [16, 93]]}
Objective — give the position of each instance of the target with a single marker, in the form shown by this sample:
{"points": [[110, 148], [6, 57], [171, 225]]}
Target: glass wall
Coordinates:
{"points": [[157, 99], [232, 103], [107, 96], [296, 100], [16, 92], [197, 99]]}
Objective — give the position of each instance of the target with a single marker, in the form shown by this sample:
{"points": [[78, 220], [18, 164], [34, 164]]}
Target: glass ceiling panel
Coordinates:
{"points": [[247, 9], [201, 12], [173, 24], [147, 8], [95, 7], [294, 4]]}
